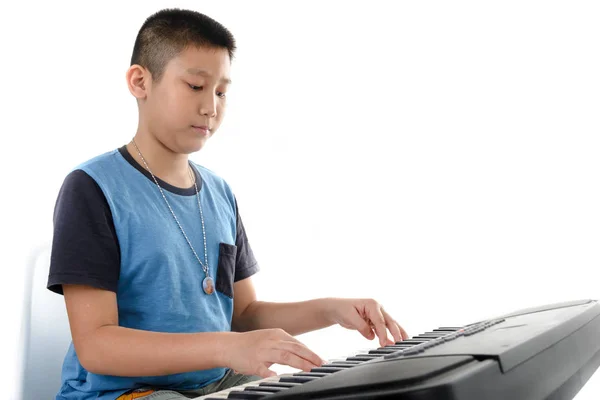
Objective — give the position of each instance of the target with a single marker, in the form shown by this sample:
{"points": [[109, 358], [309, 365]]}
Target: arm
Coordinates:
{"points": [[294, 318], [250, 314], [105, 348], [85, 267], [365, 315]]}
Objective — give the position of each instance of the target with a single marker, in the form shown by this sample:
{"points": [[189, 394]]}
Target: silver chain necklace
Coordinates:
{"points": [[207, 283]]}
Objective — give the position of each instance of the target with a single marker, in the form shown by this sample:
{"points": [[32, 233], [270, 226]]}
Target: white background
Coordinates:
{"points": [[441, 157]]}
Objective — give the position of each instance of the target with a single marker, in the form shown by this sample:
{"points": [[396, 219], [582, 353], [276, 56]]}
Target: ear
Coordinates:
{"points": [[138, 79]]}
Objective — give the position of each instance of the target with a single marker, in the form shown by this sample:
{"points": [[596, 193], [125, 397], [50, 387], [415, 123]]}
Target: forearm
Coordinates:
{"points": [[294, 318], [119, 351]]}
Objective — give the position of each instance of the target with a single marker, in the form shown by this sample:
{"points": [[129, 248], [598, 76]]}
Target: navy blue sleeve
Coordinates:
{"points": [[245, 264], [85, 249]]}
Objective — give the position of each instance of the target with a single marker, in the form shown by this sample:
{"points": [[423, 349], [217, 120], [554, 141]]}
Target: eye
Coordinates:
{"points": [[198, 88]]}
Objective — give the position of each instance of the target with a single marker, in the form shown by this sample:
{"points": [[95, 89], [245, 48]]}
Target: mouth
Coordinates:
{"points": [[203, 129]]}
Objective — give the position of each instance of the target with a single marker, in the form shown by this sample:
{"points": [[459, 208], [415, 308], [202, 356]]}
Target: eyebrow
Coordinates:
{"points": [[200, 71]]}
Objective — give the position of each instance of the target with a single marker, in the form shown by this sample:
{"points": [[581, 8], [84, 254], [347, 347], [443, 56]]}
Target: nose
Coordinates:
{"points": [[208, 105]]}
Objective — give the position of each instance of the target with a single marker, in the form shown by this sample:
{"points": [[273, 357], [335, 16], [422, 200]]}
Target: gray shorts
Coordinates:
{"points": [[230, 379]]}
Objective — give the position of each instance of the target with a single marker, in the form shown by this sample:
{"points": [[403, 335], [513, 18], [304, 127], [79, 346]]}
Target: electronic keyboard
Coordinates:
{"points": [[546, 352]]}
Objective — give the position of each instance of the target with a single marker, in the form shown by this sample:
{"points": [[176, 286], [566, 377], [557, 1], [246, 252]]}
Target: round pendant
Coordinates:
{"points": [[208, 285]]}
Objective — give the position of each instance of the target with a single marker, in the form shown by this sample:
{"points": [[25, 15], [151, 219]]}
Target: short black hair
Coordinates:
{"points": [[166, 33]]}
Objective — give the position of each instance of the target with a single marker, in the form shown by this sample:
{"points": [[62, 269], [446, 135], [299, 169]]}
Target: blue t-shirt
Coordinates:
{"points": [[114, 231]]}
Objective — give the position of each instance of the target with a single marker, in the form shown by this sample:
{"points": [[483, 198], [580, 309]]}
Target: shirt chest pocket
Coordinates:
{"points": [[226, 269]]}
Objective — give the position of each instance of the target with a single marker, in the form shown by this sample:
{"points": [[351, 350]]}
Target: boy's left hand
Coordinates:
{"points": [[366, 316]]}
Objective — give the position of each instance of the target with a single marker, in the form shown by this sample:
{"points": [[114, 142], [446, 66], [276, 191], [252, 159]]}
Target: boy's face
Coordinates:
{"points": [[190, 95]]}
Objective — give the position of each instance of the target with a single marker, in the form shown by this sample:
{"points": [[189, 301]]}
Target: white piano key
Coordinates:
{"points": [[222, 394], [225, 392]]}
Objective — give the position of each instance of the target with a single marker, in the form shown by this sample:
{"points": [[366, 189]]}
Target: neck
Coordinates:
{"points": [[171, 167]]}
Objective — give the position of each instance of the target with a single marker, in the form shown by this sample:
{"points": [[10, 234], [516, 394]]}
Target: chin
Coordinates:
{"points": [[189, 149], [194, 145]]}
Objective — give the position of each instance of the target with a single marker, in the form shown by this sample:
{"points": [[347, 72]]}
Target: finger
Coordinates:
{"points": [[378, 321], [264, 372], [300, 350], [356, 321], [392, 326], [286, 337], [403, 332], [368, 332], [285, 357]]}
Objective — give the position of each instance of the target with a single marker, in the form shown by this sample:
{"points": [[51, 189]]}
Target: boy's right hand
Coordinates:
{"points": [[252, 353]]}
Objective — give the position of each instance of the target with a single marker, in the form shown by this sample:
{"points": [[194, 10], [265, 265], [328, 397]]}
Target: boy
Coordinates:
{"points": [[149, 248]]}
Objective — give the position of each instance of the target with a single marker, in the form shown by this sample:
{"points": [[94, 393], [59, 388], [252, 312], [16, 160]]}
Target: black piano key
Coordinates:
{"points": [[362, 358], [411, 341], [429, 336], [447, 328], [280, 384], [242, 394], [326, 370], [297, 379], [366, 355], [383, 351], [316, 374], [340, 365], [346, 362], [270, 389]]}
